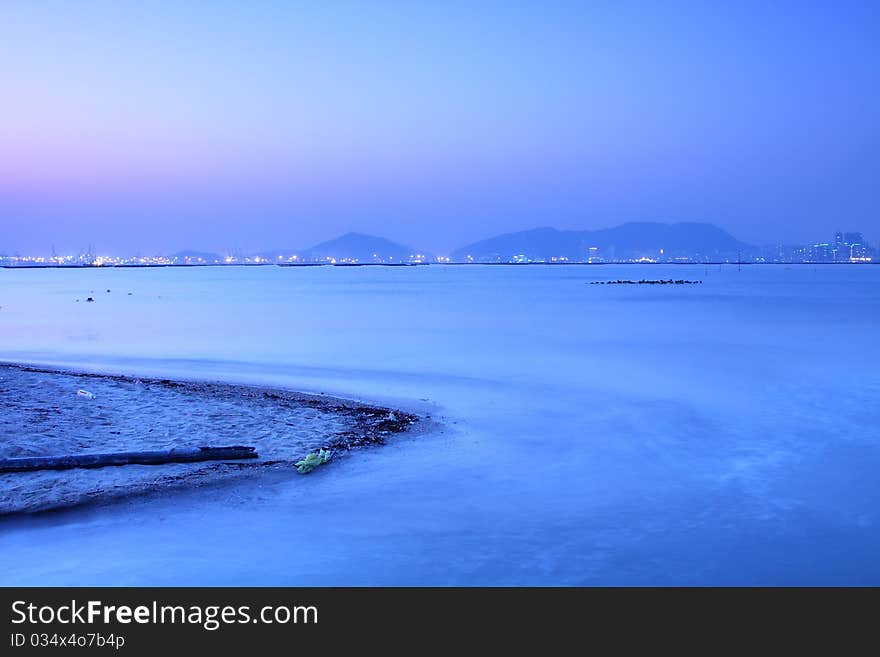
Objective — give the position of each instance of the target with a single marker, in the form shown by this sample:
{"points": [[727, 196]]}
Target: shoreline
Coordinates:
{"points": [[291, 424]]}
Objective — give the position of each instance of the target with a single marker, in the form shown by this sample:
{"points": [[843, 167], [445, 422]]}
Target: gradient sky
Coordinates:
{"points": [[154, 126]]}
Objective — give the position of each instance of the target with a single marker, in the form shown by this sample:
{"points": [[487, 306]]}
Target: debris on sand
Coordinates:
{"points": [[313, 460]]}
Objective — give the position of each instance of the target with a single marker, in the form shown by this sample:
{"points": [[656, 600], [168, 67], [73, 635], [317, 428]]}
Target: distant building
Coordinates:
{"points": [[847, 247], [821, 252], [853, 248]]}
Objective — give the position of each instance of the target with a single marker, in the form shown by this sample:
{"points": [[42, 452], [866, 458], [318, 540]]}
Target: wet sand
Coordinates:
{"points": [[41, 414]]}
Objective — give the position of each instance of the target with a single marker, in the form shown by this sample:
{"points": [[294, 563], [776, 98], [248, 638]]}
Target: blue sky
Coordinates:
{"points": [[154, 126]]}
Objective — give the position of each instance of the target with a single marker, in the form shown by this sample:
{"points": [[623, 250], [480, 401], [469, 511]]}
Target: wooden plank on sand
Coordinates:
{"points": [[184, 455]]}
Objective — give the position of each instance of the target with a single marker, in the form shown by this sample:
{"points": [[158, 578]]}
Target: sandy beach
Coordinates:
{"points": [[42, 414]]}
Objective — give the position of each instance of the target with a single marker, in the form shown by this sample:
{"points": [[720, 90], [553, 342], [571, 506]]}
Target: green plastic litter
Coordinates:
{"points": [[313, 460]]}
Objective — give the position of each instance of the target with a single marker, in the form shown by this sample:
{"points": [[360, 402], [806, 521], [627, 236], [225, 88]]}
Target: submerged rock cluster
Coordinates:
{"points": [[661, 281]]}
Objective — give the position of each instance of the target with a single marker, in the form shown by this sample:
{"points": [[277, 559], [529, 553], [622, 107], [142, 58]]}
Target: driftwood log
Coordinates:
{"points": [[186, 455]]}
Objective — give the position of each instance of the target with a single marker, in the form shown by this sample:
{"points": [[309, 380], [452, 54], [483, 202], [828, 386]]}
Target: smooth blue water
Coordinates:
{"points": [[723, 433]]}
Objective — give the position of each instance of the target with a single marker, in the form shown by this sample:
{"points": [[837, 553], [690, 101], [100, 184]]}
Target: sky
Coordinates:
{"points": [[149, 127]]}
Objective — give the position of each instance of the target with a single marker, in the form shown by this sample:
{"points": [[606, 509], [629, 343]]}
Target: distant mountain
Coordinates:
{"points": [[634, 240], [360, 248]]}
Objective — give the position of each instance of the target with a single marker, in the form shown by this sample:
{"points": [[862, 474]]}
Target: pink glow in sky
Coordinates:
{"points": [[160, 125]]}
